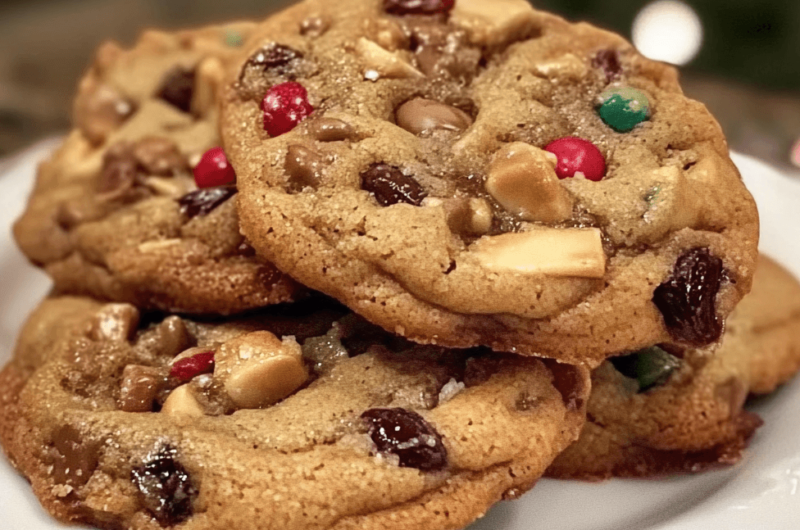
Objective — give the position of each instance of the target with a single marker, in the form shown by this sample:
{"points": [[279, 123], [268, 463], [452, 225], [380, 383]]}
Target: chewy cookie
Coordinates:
{"points": [[468, 172], [115, 213], [337, 426], [653, 413]]}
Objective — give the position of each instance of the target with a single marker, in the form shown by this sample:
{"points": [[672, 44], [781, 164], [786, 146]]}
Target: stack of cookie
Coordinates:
{"points": [[373, 263]]}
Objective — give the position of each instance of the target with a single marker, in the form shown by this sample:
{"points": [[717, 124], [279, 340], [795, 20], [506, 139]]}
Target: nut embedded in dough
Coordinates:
{"points": [[493, 22], [383, 62], [181, 402], [523, 180], [258, 369], [574, 252]]}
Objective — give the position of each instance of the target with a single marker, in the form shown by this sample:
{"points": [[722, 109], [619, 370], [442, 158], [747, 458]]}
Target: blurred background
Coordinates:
{"points": [[740, 57]]}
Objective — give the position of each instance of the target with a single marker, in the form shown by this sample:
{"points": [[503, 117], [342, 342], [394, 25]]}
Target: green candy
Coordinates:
{"points": [[650, 367], [623, 108], [233, 38]]}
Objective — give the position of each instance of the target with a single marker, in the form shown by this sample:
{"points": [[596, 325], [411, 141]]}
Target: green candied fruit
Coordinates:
{"points": [[650, 367], [623, 108]]}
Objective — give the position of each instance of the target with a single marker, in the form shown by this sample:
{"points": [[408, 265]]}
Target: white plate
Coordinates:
{"points": [[760, 493]]}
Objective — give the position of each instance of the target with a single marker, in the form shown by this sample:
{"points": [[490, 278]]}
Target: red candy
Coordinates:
{"points": [[285, 106], [576, 155], [214, 170], [190, 367]]}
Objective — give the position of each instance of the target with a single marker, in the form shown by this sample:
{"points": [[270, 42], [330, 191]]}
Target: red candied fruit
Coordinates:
{"points": [[214, 170], [576, 155], [190, 367], [285, 106]]}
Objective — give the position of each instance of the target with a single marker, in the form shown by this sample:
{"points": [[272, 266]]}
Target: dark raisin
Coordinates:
{"points": [[406, 434], [391, 186], [651, 367], [165, 487], [273, 56], [609, 61], [203, 202], [687, 300], [177, 88], [418, 7]]}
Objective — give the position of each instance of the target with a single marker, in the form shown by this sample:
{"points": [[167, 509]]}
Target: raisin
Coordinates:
{"points": [[407, 435], [650, 367], [687, 300], [418, 7], [119, 172], [608, 61], [177, 88], [165, 487], [273, 56], [203, 202], [391, 186], [568, 381]]}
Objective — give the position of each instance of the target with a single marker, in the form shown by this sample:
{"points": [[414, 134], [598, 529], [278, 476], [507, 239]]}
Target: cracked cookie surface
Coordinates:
{"points": [[481, 173], [114, 213], [298, 417], [688, 416]]}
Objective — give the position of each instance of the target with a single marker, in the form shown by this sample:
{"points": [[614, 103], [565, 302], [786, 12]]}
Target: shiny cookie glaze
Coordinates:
{"points": [[91, 415], [114, 213], [694, 421], [464, 235]]}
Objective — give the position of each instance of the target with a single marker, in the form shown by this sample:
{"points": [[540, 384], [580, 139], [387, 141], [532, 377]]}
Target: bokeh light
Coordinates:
{"points": [[669, 31]]}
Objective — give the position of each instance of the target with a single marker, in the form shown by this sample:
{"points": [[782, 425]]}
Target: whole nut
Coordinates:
{"points": [[523, 180], [420, 115], [494, 22], [576, 252], [139, 388], [258, 369], [330, 130], [100, 110], [383, 63], [115, 323], [181, 402], [304, 167]]}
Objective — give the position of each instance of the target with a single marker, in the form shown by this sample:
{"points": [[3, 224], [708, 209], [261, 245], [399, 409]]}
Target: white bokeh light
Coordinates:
{"points": [[669, 31]]}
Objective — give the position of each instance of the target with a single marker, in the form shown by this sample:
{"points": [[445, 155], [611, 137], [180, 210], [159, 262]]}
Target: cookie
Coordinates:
{"points": [[654, 413], [482, 173], [115, 212], [278, 421]]}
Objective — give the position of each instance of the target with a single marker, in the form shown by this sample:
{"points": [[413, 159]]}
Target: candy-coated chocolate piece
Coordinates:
{"points": [[576, 155], [623, 108], [214, 170], [285, 106]]}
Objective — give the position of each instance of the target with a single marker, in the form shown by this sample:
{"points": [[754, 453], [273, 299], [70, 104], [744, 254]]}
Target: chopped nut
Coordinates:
{"points": [[258, 369], [388, 34], [210, 75], [384, 63], [167, 187], [494, 22], [465, 215], [115, 322], [139, 388], [523, 180], [567, 66], [181, 402], [155, 246], [550, 251]]}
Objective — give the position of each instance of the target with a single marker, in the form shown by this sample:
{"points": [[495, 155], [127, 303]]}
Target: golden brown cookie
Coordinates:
{"points": [[279, 421], [115, 212], [653, 413], [479, 172]]}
